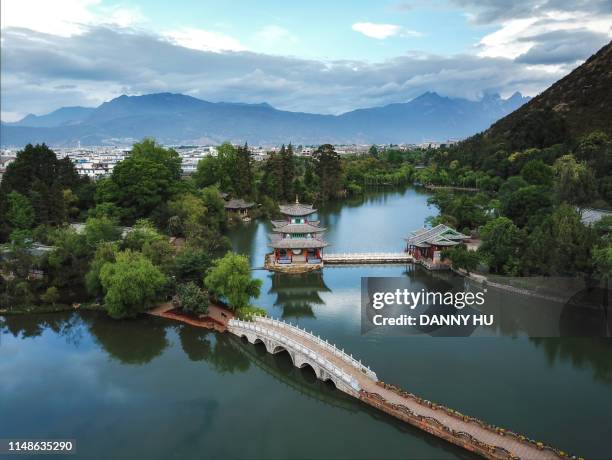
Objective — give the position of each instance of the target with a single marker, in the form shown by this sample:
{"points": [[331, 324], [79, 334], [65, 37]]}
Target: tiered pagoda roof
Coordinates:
{"points": [[298, 243], [297, 209], [286, 227], [302, 235], [440, 235]]}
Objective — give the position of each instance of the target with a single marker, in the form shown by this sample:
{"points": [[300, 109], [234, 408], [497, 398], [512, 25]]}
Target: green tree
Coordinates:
{"points": [[328, 168], [215, 206], [188, 214], [288, 177], [242, 174], [193, 299], [462, 258], [101, 229], [131, 284], [141, 183], [602, 258], [50, 296], [527, 203], [230, 278], [20, 213], [39, 176], [536, 172], [575, 181], [560, 245], [105, 253], [501, 243], [143, 232], [209, 172], [191, 264]]}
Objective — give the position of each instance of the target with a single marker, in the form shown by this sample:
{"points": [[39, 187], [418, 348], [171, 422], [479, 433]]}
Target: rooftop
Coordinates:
{"points": [[296, 243], [286, 227], [440, 235], [238, 203], [296, 209]]}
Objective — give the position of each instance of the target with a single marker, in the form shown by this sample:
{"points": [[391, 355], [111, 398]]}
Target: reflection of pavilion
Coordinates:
{"points": [[297, 295]]}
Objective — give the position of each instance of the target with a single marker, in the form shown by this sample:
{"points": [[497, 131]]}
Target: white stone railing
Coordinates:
{"points": [[294, 345], [322, 343], [367, 256]]}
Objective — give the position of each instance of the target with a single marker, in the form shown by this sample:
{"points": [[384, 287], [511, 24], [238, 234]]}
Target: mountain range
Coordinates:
{"points": [[179, 119]]}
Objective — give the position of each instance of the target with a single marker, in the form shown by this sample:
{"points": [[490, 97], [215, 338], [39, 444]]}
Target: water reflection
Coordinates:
{"points": [[216, 349], [136, 341], [298, 294], [581, 353], [65, 324]]}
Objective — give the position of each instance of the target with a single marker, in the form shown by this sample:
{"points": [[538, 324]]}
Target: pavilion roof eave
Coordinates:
{"points": [[298, 228], [298, 243]]}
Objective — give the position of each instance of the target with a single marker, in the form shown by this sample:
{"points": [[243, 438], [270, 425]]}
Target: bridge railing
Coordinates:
{"points": [[367, 255], [294, 345], [349, 359]]}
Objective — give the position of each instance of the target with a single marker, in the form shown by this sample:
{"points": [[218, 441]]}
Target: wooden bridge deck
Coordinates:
{"points": [[367, 258], [467, 432]]}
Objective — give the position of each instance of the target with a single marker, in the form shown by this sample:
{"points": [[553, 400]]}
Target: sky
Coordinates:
{"points": [[315, 56]]}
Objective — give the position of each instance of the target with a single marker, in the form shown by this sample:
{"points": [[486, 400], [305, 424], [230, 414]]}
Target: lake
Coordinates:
{"points": [[150, 388]]}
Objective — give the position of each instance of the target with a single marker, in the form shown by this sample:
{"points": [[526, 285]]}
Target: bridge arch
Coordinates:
{"points": [[305, 350]]}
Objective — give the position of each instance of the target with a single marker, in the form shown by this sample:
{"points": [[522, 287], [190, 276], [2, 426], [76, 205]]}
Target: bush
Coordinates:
{"points": [[193, 299]]}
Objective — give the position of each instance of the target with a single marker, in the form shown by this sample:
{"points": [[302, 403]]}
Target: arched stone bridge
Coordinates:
{"points": [[351, 376], [305, 349]]}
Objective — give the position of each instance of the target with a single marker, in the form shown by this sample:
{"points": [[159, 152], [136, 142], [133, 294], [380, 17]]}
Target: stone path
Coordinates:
{"points": [[523, 450]]}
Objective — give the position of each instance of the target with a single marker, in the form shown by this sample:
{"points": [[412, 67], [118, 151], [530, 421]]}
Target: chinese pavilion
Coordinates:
{"points": [[296, 241], [426, 245]]}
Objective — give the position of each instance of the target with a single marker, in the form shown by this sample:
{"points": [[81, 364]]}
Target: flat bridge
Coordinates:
{"points": [[356, 379], [368, 258]]}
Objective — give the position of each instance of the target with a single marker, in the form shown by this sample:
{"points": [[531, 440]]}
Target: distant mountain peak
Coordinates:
{"points": [[175, 118]]}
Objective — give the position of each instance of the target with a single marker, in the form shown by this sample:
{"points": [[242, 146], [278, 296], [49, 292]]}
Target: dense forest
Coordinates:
{"points": [[145, 232], [536, 169]]}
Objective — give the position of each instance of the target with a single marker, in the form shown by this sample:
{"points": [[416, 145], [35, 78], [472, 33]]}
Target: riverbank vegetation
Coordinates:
{"points": [[126, 242], [145, 233], [528, 209]]}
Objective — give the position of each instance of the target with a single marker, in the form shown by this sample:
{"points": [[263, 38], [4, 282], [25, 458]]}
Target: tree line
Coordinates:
{"points": [[528, 210]]}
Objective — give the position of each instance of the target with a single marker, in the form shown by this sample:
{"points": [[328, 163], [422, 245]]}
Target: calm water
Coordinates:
{"points": [[153, 389]]}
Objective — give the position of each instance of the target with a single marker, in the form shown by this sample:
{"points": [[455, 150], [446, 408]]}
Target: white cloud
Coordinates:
{"points": [[58, 17], [65, 17], [83, 70], [378, 31], [203, 40], [273, 33], [517, 37]]}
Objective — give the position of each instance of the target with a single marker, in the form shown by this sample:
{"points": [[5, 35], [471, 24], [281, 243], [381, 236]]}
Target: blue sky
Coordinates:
{"points": [[315, 56], [322, 29]]}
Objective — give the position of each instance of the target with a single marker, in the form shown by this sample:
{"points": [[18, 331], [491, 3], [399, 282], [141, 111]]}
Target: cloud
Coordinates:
{"points": [[203, 40], [378, 31], [545, 33], [65, 17], [41, 72], [273, 34], [499, 11], [562, 46]]}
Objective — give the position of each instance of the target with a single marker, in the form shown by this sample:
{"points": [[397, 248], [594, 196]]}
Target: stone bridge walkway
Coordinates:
{"points": [[513, 445]]}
